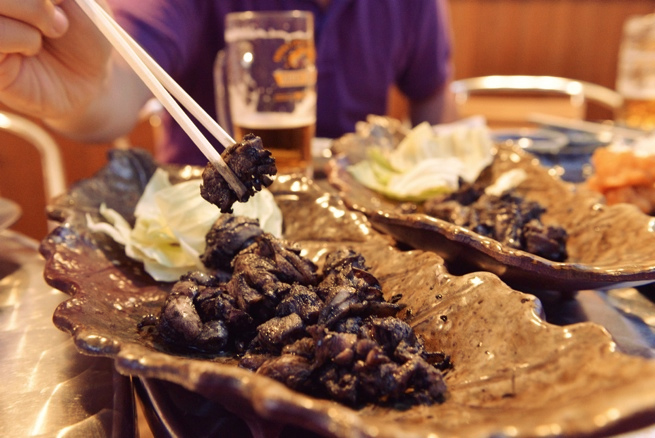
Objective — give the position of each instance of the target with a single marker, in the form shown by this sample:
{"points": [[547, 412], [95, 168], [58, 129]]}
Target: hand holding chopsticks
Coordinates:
{"points": [[161, 84]]}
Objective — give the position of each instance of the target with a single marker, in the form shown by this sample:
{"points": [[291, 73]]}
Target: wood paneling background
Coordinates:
{"points": [[578, 39]]}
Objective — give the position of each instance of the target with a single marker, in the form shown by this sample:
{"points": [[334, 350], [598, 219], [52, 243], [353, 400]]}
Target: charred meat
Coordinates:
{"points": [[329, 333], [251, 163], [229, 235], [509, 219]]}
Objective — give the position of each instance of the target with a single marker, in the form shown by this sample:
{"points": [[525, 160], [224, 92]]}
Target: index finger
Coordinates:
{"points": [[43, 15]]}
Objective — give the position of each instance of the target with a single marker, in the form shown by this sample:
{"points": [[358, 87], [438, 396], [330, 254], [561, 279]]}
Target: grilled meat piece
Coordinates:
{"points": [[275, 333], [383, 361], [264, 273], [344, 267], [302, 301], [292, 370], [509, 219], [180, 322], [549, 242], [227, 236], [251, 163], [302, 347], [217, 303]]}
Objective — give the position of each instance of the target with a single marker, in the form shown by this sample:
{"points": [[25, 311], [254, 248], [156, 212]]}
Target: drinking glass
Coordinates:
{"points": [[636, 72], [271, 82]]}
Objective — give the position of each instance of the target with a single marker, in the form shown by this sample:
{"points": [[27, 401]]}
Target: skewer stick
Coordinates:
{"points": [[586, 126], [109, 29]]}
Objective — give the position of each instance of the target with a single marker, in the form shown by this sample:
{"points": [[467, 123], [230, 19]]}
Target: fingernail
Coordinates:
{"points": [[60, 21]]}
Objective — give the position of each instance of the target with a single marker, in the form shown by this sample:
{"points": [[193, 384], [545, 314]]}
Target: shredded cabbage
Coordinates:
{"points": [[428, 161], [172, 221]]}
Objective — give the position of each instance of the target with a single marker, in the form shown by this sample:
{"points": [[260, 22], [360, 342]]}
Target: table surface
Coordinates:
{"points": [[56, 391], [50, 388]]}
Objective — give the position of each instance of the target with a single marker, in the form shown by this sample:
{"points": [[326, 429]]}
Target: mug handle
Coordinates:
{"points": [[220, 93]]}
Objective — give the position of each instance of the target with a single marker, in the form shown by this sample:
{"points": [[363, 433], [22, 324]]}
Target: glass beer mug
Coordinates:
{"points": [[636, 72], [270, 76]]}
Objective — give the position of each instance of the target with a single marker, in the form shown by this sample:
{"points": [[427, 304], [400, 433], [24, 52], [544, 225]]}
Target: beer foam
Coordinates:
{"points": [[251, 33]]}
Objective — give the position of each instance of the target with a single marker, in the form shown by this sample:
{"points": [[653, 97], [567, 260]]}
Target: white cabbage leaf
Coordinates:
{"points": [[172, 221], [428, 161]]}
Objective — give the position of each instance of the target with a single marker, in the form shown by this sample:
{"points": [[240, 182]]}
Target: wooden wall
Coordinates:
{"points": [[578, 39], [571, 38]]}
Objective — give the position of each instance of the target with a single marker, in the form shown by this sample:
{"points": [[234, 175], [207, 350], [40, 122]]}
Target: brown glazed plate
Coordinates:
{"points": [[607, 246], [514, 374]]}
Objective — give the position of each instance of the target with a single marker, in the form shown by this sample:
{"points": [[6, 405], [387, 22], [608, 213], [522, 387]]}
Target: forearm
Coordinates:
{"points": [[438, 108]]}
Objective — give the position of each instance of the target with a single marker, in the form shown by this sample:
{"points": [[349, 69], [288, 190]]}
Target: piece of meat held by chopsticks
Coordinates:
{"points": [[250, 162]]}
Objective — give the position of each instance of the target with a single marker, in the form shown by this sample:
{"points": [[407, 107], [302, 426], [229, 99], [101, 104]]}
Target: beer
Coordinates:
{"points": [[636, 72], [290, 143], [638, 113]]}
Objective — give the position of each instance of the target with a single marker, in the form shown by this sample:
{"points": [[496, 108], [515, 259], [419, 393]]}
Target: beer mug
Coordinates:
{"points": [[636, 72], [270, 69]]}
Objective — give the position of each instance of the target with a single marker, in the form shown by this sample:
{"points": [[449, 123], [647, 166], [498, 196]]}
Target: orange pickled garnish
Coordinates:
{"points": [[623, 177]]}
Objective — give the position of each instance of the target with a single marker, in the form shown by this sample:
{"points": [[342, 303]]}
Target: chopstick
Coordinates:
{"points": [[162, 86], [586, 126], [196, 110]]}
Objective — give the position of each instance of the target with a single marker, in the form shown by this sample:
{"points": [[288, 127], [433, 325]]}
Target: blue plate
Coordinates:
{"points": [[568, 152]]}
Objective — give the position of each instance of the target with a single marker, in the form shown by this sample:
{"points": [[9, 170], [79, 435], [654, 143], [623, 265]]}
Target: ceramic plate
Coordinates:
{"points": [[607, 246], [514, 374]]}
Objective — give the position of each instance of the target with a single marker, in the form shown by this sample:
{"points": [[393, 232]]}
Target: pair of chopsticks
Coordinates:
{"points": [[588, 127], [164, 88]]}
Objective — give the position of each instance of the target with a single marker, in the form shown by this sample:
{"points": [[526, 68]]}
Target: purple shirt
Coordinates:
{"points": [[363, 46]]}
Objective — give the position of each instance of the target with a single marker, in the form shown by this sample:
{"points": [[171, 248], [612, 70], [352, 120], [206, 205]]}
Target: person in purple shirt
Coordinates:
{"points": [[55, 65]]}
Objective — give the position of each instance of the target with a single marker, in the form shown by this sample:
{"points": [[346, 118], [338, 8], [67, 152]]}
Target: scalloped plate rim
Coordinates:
{"points": [[569, 277]]}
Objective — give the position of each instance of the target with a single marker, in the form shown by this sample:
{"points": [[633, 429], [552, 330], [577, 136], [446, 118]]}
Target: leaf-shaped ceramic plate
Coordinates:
{"points": [[514, 374], [607, 246]]}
